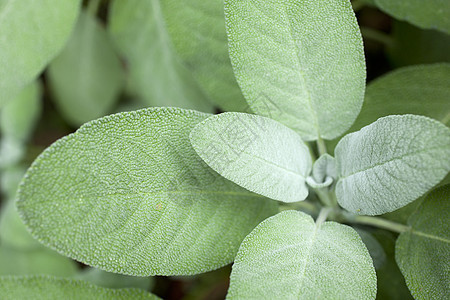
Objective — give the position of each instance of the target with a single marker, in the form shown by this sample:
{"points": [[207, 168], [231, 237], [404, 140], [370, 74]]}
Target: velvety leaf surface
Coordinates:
{"points": [[128, 194], [18, 117], [31, 34], [197, 29], [391, 163], [376, 251], [113, 280], [155, 74], [288, 256], [52, 288], [41, 260], [257, 153], [421, 90], [299, 62], [422, 252], [430, 14], [323, 172], [86, 77]]}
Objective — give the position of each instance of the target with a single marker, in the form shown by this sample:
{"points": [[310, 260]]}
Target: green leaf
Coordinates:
{"points": [[422, 252], [86, 78], [41, 260], [156, 76], [31, 34], [128, 194], [420, 90], [390, 281], [114, 281], [323, 172], [12, 230], [197, 29], [299, 62], [18, 117], [288, 256], [376, 251], [430, 14], [10, 179], [391, 163], [51, 288], [257, 153]]}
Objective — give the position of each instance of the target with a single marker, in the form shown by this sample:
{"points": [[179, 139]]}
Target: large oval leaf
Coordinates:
{"points": [[299, 62], [420, 90], [430, 14], [31, 34], [128, 194], [197, 29], [257, 153], [155, 74], [391, 163], [51, 288], [288, 256], [86, 77], [422, 252]]}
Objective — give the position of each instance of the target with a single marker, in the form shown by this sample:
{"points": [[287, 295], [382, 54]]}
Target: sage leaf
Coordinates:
{"points": [[31, 34], [420, 90], [155, 74], [18, 117], [197, 30], [422, 252], [86, 77], [113, 280], [288, 256], [255, 152], [323, 172], [41, 260], [52, 288], [128, 194], [391, 163], [431, 14], [299, 62], [376, 251]]}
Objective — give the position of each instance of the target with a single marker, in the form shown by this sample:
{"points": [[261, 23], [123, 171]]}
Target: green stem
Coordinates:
{"points": [[381, 223], [323, 215], [321, 146], [301, 205], [92, 7], [377, 35]]}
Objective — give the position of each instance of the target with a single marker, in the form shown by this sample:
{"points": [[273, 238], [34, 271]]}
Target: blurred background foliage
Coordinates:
{"points": [[127, 55]]}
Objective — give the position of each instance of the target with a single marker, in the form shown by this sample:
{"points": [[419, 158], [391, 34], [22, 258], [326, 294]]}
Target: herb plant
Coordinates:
{"points": [[288, 185]]}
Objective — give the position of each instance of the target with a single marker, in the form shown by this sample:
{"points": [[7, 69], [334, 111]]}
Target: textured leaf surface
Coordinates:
{"points": [[51, 288], [156, 76], [197, 29], [31, 34], [41, 260], [430, 14], [288, 256], [128, 194], [257, 153], [376, 251], [323, 172], [113, 280], [421, 90], [299, 62], [18, 117], [422, 252], [86, 77], [391, 163]]}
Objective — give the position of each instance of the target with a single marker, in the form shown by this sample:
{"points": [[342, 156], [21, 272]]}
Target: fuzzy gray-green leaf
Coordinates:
{"points": [[391, 163], [86, 77], [299, 62], [31, 34], [52, 288], [197, 29], [288, 256], [257, 153], [128, 194], [422, 252], [425, 14], [155, 74]]}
